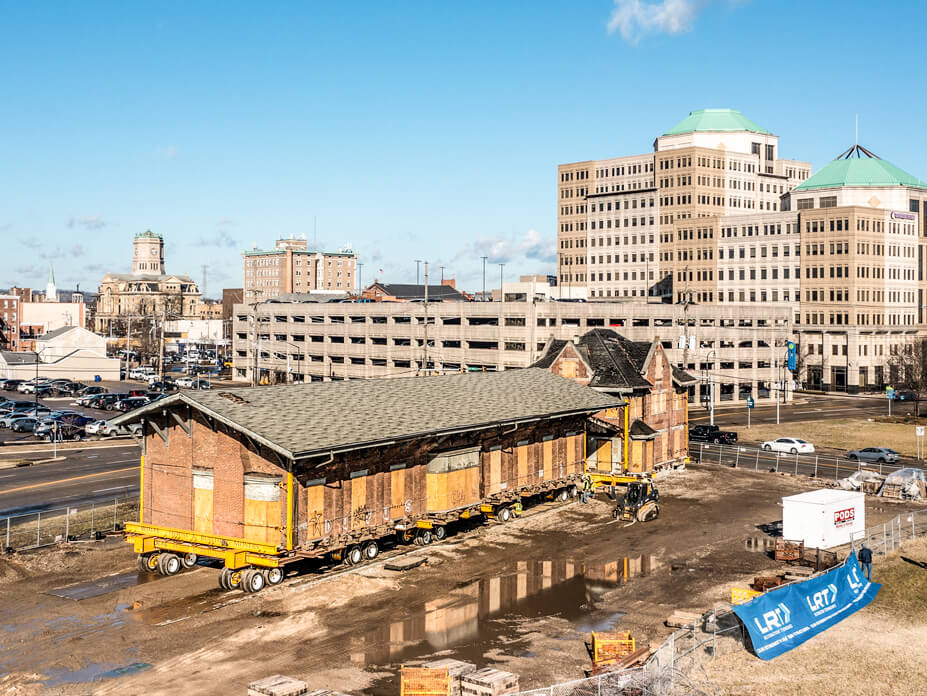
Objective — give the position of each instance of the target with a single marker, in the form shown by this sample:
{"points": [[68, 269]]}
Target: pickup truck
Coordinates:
{"points": [[712, 433]]}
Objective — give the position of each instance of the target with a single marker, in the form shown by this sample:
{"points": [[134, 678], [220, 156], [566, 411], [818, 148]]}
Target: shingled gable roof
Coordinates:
{"points": [[616, 362], [406, 291], [304, 420]]}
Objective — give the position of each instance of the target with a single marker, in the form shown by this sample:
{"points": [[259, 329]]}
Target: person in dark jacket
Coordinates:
{"points": [[865, 559]]}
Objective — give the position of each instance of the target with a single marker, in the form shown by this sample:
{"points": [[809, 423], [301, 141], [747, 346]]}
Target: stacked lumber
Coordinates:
{"points": [[762, 583], [891, 490], [683, 619], [421, 681], [488, 682], [455, 670], [278, 685], [789, 550]]}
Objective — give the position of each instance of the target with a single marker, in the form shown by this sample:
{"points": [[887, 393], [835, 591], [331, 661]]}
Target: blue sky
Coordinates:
{"points": [[411, 130]]}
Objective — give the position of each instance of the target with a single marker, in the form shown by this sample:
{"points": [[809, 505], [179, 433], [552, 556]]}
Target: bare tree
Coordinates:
{"points": [[907, 367]]}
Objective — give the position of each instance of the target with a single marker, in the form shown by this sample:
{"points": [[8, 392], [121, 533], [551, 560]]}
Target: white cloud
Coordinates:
{"points": [[88, 222], [634, 19], [532, 246], [221, 239]]}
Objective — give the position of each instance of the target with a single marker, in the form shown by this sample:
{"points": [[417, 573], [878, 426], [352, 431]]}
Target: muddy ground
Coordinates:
{"points": [[521, 596]]}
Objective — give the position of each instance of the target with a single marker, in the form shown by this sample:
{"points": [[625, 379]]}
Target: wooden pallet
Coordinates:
{"points": [[488, 682]]}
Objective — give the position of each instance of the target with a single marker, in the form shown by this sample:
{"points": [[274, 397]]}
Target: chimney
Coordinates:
{"points": [[576, 339], [449, 282]]}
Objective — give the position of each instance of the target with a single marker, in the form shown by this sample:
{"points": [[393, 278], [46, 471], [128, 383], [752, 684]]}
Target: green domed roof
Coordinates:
{"points": [[716, 120], [858, 171], [148, 234]]}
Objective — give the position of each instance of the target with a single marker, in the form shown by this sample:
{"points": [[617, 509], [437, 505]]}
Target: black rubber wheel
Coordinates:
{"points": [[354, 556], [563, 495], [615, 513], [189, 560], [716, 441], [504, 515], [793, 451], [853, 458], [440, 532], [169, 564], [223, 578], [371, 550], [767, 448], [425, 536], [406, 536], [253, 581], [148, 562], [273, 576], [881, 460]]}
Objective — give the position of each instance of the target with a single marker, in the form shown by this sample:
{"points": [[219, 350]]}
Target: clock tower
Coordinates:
{"points": [[148, 254]]}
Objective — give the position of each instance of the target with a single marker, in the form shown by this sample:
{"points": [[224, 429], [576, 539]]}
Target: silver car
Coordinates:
{"points": [[7, 420], [883, 455]]}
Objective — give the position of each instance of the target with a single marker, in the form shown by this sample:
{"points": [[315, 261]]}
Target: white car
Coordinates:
{"points": [[104, 429], [788, 445], [186, 382]]}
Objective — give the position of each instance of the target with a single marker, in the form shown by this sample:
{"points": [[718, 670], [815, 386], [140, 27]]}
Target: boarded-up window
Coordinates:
{"points": [[262, 509], [202, 501], [453, 479], [315, 509]]}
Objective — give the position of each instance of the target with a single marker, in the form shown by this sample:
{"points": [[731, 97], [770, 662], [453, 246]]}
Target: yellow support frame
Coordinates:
{"points": [[235, 553]]}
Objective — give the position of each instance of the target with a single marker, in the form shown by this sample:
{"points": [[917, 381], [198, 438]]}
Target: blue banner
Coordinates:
{"points": [[791, 355], [785, 618]]}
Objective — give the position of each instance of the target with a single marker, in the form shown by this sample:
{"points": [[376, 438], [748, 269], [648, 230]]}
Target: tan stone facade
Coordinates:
{"points": [[147, 291]]}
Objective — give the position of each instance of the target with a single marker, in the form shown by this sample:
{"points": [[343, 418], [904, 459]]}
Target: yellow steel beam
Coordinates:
{"points": [[289, 511], [141, 489], [185, 535]]}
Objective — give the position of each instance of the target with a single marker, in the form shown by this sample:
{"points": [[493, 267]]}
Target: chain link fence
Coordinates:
{"points": [[828, 467], [82, 521]]}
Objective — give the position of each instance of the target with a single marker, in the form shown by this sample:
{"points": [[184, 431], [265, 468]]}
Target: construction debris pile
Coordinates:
{"points": [[904, 484]]}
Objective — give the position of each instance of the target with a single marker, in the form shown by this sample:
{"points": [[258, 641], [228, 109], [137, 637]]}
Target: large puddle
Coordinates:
{"points": [[491, 612]]}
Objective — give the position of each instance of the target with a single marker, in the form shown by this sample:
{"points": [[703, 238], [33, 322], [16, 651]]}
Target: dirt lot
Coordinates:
{"points": [[521, 596], [878, 650], [844, 435]]}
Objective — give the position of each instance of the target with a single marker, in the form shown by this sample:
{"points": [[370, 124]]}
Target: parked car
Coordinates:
{"points": [[789, 445], [8, 420], [200, 384], [30, 386], [15, 405], [107, 401], [141, 373], [10, 384], [24, 425], [68, 426], [131, 403], [906, 395], [712, 433], [185, 382], [43, 390], [164, 386], [883, 455], [103, 428], [70, 388], [136, 392]]}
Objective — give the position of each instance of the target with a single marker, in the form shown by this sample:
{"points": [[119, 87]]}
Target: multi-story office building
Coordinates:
{"points": [[739, 348], [843, 250], [291, 267], [633, 226]]}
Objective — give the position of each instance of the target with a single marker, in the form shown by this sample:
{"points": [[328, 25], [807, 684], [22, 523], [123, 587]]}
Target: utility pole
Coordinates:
{"points": [[161, 345], [425, 352], [685, 319], [484, 277], [442, 274], [501, 277], [417, 266]]}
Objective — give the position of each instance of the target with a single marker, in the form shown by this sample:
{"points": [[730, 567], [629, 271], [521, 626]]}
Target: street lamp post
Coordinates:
{"points": [[483, 298], [711, 388]]}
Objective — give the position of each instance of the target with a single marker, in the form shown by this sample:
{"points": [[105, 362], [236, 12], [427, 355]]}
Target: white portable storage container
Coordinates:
{"points": [[825, 518]]}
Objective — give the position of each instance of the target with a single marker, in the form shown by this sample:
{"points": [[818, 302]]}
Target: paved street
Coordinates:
{"points": [[804, 408], [86, 475]]}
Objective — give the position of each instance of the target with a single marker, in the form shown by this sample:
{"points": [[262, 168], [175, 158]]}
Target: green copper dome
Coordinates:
{"points": [[858, 171], [716, 120]]}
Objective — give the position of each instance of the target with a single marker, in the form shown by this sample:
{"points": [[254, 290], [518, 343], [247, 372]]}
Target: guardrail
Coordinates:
{"points": [[76, 522]]}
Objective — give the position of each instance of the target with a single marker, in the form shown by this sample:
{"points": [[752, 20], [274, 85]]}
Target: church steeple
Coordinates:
{"points": [[51, 292]]}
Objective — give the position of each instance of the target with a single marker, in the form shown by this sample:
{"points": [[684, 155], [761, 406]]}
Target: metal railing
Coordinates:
{"points": [[73, 523], [817, 465]]}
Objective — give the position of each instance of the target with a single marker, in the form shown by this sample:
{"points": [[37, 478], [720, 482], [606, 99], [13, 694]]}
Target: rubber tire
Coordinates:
{"points": [[716, 441], [853, 458], [189, 560], [354, 556], [563, 495], [881, 460], [767, 448], [793, 451], [253, 581], [273, 576], [574, 492], [148, 562], [371, 550], [439, 532], [169, 564], [405, 537], [223, 578], [425, 536], [504, 515]]}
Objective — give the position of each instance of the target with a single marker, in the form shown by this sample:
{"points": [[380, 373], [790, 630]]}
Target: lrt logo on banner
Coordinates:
{"points": [[842, 518], [778, 618], [823, 599]]}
